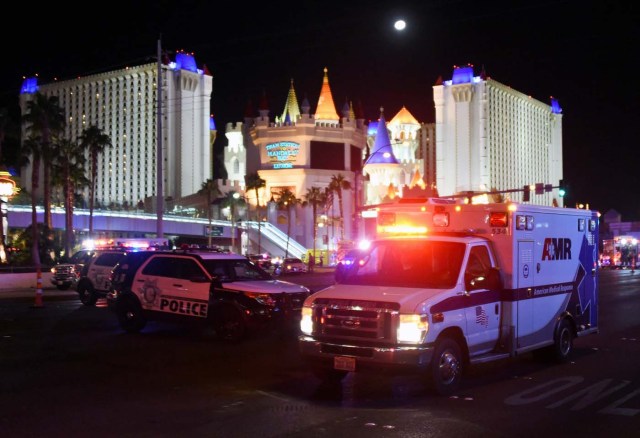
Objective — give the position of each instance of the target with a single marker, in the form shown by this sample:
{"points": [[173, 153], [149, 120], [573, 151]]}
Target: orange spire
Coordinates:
{"points": [[326, 109]]}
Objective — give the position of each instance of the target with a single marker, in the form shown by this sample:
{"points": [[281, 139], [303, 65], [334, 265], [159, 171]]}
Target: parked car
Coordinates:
{"points": [[95, 276], [293, 265], [262, 260], [66, 275], [223, 291]]}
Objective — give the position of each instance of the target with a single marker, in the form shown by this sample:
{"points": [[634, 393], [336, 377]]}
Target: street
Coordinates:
{"points": [[69, 370]]}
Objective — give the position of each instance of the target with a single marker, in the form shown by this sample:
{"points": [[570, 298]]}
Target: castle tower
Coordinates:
{"points": [[326, 110], [291, 109], [382, 166]]}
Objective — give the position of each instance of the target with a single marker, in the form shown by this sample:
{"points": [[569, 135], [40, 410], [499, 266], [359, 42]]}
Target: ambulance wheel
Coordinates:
{"points": [[87, 296], [229, 324], [445, 370], [563, 342], [562, 345], [130, 316]]}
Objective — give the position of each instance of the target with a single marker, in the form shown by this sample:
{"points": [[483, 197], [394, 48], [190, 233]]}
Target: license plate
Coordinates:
{"points": [[344, 363], [60, 282]]}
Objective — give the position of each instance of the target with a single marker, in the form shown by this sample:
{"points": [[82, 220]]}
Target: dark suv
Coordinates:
{"points": [[66, 275], [226, 292]]}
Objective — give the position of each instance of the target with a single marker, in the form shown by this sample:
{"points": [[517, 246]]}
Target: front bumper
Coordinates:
{"points": [[372, 357]]}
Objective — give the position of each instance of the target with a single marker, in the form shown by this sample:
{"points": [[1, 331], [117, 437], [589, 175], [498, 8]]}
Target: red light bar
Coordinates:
{"points": [[498, 219]]}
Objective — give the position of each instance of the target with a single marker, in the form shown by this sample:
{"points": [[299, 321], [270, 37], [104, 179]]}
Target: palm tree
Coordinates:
{"points": [[287, 200], [4, 121], [233, 200], [255, 183], [95, 141], [69, 164], [45, 120], [210, 190], [316, 198], [338, 184], [31, 152]]}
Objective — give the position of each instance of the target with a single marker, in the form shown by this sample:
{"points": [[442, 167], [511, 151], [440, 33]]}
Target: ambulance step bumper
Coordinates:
{"points": [[489, 357]]}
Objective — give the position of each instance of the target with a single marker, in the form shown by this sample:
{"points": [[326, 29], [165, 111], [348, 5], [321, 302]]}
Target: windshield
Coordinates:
{"points": [[427, 264], [235, 270]]}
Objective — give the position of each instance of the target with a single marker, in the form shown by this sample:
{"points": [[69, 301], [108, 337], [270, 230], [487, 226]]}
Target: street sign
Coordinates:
{"points": [[215, 231]]}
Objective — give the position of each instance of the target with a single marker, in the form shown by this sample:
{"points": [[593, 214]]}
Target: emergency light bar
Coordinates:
{"points": [[401, 229]]}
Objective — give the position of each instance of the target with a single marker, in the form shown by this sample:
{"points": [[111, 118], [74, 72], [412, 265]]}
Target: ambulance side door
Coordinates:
{"points": [[482, 309], [524, 292]]}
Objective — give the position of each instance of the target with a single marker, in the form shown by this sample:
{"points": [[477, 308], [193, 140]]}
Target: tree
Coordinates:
{"points": [[338, 184], [315, 197], [69, 165], [45, 121], [286, 201], [31, 152], [4, 121], [95, 141], [255, 183], [210, 191], [232, 200]]}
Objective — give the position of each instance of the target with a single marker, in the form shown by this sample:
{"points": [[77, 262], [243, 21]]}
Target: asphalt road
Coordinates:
{"points": [[68, 370]]}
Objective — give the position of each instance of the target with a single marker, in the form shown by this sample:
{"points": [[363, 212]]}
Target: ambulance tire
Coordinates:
{"points": [[87, 295], [445, 370], [229, 324], [562, 346], [563, 342], [130, 316]]}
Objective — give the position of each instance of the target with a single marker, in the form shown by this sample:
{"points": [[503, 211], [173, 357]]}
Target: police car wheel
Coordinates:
{"points": [[229, 324], [87, 296], [445, 371], [130, 316]]}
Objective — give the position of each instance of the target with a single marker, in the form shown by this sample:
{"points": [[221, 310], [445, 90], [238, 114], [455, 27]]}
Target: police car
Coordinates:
{"points": [[223, 291]]}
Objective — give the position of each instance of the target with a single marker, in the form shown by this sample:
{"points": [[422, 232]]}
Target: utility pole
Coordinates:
{"points": [[159, 188]]}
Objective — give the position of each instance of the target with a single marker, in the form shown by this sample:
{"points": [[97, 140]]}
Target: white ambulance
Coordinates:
{"points": [[446, 285]]}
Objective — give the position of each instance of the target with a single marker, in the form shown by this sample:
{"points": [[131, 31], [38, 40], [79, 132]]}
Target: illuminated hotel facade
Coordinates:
{"points": [[492, 137], [123, 104]]}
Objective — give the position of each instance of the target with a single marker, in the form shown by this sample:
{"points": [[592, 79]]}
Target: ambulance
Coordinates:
{"points": [[446, 285]]}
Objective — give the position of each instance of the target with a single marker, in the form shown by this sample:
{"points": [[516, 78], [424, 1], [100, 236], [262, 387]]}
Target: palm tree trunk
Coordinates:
{"points": [[47, 196], [35, 250], [258, 217], [286, 252], [92, 190]]}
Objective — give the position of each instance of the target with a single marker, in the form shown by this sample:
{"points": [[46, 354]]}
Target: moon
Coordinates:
{"points": [[400, 24]]}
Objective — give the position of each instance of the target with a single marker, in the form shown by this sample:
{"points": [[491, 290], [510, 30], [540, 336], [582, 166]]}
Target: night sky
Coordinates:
{"points": [[580, 52]]}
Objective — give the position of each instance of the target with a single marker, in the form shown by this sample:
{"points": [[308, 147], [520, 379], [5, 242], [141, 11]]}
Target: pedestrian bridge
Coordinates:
{"points": [[136, 223]]}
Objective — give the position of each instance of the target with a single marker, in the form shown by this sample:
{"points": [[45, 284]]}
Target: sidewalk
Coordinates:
{"points": [[24, 285]]}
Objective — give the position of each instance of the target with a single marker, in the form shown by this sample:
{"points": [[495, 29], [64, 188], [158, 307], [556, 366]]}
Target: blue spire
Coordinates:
{"points": [[212, 123], [29, 86], [382, 150]]}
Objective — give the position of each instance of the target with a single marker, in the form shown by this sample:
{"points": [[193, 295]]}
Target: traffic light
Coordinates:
{"points": [[526, 193], [562, 188]]}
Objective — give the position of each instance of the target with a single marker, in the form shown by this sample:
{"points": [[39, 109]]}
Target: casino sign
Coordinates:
{"points": [[283, 154]]}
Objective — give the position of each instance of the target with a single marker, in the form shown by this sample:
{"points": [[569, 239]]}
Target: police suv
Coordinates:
{"points": [[226, 292]]}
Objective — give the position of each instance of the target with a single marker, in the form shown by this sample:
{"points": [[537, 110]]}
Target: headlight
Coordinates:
{"points": [[262, 298], [306, 322], [412, 329]]}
